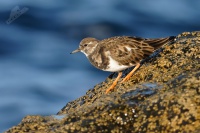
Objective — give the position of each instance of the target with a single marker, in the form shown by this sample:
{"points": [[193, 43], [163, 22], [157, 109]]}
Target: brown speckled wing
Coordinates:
{"points": [[131, 50]]}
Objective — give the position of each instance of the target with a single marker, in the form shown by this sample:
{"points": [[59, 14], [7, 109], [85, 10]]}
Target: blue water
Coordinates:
{"points": [[38, 76]]}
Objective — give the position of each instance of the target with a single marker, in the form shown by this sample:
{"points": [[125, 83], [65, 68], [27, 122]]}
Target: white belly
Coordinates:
{"points": [[114, 66]]}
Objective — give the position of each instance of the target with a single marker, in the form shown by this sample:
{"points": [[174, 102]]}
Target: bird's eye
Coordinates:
{"points": [[85, 45]]}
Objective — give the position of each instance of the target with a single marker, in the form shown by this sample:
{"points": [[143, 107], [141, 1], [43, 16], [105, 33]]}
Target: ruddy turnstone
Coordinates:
{"points": [[118, 53]]}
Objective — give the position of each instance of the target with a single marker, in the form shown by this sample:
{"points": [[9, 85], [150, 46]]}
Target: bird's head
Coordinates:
{"points": [[87, 46]]}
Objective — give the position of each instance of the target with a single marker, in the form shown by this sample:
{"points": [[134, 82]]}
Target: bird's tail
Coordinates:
{"points": [[158, 42]]}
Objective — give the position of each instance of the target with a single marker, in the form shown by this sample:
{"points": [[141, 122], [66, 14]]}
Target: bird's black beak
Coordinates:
{"points": [[75, 51]]}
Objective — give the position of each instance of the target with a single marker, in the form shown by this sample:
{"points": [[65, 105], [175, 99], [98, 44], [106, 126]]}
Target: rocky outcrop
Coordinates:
{"points": [[163, 95]]}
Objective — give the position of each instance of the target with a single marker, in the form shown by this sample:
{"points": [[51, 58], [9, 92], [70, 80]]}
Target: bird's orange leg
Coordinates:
{"points": [[131, 73], [114, 83]]}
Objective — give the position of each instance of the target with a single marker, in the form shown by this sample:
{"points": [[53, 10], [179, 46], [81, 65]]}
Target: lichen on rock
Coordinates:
{"points": [[162, 96]]}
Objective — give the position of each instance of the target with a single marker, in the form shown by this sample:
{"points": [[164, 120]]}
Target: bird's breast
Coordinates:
{"points": [[114, 66]]}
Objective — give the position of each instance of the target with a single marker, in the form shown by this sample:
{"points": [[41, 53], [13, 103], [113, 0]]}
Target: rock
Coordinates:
{"points": [[162, 96]]}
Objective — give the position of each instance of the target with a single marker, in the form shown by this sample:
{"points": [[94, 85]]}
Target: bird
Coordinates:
{"points": [[118, 53]]}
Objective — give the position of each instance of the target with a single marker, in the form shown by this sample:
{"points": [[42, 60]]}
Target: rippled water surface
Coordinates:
{"points": [[37, 73]]}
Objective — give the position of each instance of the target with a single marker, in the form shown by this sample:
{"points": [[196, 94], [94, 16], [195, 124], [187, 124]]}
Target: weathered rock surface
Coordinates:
{"points": [[162, 96]]}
